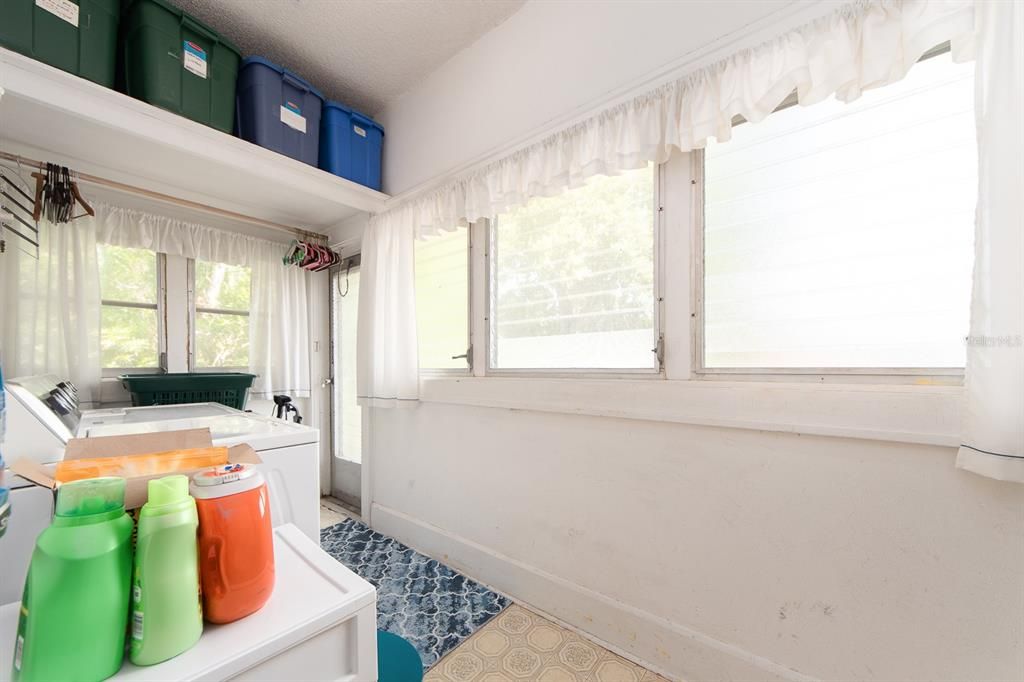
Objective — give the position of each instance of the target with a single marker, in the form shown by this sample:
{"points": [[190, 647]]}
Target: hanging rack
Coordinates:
{"points": [[167, 198], [15, 205]]}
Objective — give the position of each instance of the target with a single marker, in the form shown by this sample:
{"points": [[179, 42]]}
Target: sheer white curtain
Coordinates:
{"points": [[279, 327], [388, 364], [993, 434], [278, 317], [854, 48], [50, 319]]}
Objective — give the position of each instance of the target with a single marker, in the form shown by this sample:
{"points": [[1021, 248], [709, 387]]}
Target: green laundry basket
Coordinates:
{"points": [[77, 36], [226, 388], [176, 62]]}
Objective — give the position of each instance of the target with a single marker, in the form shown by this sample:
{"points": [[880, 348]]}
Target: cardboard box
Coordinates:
{"points": [[136, 488]]}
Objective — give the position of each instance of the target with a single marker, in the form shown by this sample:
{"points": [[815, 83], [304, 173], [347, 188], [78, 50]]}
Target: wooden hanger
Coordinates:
{"points": [[76, 193]]}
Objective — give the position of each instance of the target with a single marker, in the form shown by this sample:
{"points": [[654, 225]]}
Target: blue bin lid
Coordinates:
{"points": [[363, 118], [281, 70]]}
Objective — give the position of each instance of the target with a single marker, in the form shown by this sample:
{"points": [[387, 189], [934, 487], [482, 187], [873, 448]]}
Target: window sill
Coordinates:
{"points": [[896, 413]]}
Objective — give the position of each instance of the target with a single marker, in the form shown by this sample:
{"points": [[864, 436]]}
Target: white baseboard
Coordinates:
{"points": [[658, 644]]}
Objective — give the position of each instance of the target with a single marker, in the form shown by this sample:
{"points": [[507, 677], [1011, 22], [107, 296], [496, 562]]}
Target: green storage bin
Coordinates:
{"points": [[226, 388], [77, 36], [178, 63]]}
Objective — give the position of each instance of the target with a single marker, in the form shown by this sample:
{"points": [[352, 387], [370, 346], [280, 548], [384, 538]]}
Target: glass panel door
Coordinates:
{"points": [[346, 415]]}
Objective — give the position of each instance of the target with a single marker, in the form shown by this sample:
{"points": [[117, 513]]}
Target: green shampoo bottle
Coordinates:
{"points": [[74, 609], [167, 616]]}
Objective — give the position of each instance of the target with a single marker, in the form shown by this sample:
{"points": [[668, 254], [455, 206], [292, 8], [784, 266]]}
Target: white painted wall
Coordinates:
{"points": [[706, 551], [546, 62], [839, 558]]}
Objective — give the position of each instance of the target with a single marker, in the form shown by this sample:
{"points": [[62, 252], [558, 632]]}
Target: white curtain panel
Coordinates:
{"points": [[279, 328], [50, 322], [993, 434], [278, 317], [854, 48], [387, 373]]}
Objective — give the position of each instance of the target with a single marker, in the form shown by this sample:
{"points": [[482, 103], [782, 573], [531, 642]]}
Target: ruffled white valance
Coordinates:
{"points": [[278, 315], [140, 230], [857, 47]]}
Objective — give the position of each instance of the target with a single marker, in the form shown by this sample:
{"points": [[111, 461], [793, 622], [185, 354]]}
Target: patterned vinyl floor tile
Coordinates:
{"points": [[518, 645]]}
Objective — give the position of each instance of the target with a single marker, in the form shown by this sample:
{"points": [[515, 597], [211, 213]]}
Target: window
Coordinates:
{"points": [[129, 323], [221, 327], [572, 279], [442, 300], [840, 235]]}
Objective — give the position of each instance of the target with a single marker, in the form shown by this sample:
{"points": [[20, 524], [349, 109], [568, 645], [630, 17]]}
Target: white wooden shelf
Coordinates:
{"points": [[48, 114]]}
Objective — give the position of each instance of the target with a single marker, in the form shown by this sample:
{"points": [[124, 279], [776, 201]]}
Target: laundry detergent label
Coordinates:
{"points": [[193, 58], [137, 620], [62, 9], [291, 116], [19, 643], [361, 132]]}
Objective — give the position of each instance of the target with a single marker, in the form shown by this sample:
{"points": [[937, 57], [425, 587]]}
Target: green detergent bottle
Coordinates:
{"points": [[74, 609], [167, 616]]}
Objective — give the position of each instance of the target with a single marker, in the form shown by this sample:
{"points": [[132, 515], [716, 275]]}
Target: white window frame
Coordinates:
{"points": [[656, 372], [191, 335], [161, 322], [428, 372], [939, 375]]}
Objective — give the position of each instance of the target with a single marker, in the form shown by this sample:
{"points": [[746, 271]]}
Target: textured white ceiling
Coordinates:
{"points": [[363, 53]]}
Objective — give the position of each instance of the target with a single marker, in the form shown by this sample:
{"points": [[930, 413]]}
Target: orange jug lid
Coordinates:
{"points": [[225, 479]]}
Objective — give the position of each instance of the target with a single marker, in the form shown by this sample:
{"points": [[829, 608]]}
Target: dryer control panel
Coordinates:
{"points": [[48, 392]]}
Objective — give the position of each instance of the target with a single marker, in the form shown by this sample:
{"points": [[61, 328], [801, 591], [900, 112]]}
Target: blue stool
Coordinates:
{"points": [[397, 660]]}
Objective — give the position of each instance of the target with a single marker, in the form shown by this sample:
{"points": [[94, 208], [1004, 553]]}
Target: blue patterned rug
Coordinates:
{"points": [[418, 598]]}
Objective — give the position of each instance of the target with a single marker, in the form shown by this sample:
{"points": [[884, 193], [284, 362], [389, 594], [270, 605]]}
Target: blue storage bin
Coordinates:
{"points": [[278, 110], [351, 145]]}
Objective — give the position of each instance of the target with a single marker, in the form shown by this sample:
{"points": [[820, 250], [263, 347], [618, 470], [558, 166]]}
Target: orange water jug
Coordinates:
{"points": [[236, 545]]}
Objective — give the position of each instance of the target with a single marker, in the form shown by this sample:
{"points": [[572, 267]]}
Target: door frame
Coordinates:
{"points": [[337, 271]]}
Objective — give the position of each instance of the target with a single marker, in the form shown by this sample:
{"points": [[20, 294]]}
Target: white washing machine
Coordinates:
{"points": [[43, 414]]}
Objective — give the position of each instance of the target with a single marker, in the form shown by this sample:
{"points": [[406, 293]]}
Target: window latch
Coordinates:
{"points": [[468, 355], [659, 350]]}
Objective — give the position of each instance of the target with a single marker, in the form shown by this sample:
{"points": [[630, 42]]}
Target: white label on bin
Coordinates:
{"points": [[19, 648], [193, 58], [292, 117], [361, 132], [63, 9]]}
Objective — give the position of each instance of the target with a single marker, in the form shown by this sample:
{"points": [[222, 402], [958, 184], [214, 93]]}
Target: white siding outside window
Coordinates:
{"points": [[840, 235]]}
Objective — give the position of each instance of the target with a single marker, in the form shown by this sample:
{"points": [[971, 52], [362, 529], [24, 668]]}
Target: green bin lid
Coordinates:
{"points": [[216, 35]]}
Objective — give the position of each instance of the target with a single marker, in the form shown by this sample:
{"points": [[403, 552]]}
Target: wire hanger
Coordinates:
{"points": [[348, 269]]}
